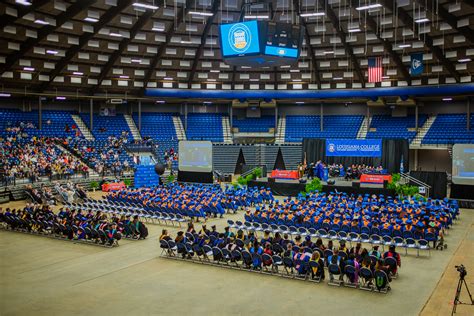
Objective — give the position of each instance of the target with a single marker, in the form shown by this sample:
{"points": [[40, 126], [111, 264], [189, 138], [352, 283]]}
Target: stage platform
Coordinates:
{"points": [[293, 187]]}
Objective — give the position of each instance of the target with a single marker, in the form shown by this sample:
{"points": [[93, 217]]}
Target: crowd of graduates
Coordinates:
{"points": [[194, 200], [360, 213], [73, 225], [305, 256]]}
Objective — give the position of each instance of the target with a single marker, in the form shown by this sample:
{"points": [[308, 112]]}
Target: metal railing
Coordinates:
{"points": [[409, 179]]}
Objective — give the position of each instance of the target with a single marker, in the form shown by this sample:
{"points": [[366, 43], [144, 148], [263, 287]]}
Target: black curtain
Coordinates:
{"points": [[393, 151], [438, 181], [460, 191], [279, 161], [240, 162]]}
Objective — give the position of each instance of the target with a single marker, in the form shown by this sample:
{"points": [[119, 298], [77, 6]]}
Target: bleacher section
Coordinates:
{"points": [[450, 129], [160, 127], [309, 126], [91, 152], [387, 126], [105, 126], [256, 125], [204, 126], [58, 120]]}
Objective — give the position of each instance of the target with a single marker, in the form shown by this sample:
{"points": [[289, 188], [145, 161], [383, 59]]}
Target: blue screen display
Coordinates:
{"points": [[281, 51], [239, 39]]}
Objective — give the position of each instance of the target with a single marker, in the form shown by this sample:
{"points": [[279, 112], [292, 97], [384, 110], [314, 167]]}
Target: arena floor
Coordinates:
{"points": [[46, 276]]}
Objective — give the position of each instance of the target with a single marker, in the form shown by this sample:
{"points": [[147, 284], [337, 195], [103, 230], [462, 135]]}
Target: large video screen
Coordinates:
{"points": [[463, 164], [239, 39], [195, 156]]}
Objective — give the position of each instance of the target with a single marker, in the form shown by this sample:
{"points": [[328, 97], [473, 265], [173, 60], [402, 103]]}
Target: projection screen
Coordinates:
{"points": [[463, 164], [195, 156]]}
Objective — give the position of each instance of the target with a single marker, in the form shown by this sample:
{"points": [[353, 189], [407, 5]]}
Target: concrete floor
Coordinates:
{"points": [[45, 276]]}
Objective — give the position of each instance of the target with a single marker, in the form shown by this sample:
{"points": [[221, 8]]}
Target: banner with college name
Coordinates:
{"points": [[354, 147]]}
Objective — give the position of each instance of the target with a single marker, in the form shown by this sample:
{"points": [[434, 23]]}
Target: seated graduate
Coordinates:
{"points": [[317, 271], [256, 260], [165, 235]]}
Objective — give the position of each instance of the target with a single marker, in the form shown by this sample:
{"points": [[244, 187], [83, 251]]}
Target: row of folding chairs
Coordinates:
{"points": [[58, 231], [351, 237], [272, 265], [161, 218]]}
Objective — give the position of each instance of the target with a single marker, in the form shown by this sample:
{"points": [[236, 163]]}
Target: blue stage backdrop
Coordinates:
{"points": [[354, 147]]}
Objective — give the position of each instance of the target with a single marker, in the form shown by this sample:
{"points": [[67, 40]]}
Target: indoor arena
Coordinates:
{"points": [[236, 157]]}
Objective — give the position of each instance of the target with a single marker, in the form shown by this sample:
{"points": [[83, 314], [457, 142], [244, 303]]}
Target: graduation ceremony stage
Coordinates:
{"points": [[293, 187]]}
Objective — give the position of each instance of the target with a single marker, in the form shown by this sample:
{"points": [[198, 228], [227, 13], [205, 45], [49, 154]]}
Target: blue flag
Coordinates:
{"points": [[416, 65]]}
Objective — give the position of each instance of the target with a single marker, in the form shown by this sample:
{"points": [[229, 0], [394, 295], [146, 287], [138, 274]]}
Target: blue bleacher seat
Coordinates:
{"points": [[114, 125], [395, 127], [205, 126], [309, 126], [450, 129], [257, 125]]}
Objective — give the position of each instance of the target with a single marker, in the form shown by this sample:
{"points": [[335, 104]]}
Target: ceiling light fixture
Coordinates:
{"points": [[136, 61], [353, 30], [124, 77], [404, 45], [385, 77], [89, 19], [447, 99], [328, 52], [77, 73], [60, 98], [42, 22], [201, 13], [5, 95], [423, 20], [158, 29], [464, 60], [257, 17], [299, 102], [52, 52], [167, 78], [23, 2], [337, 78], [115, 34], [368, 7], [186, 42], [28, 69], [160, 101], [309, 14], [145, 6], [215, 70]]}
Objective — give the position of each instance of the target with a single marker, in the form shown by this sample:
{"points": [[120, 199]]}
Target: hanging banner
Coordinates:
{"points": [[354, 147], [416, 65]]}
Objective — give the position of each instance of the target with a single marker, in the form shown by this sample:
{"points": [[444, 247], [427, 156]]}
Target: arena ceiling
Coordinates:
{"points": [[122, 46]]}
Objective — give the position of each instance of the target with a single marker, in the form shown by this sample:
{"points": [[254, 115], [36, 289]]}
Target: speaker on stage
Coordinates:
{"points": [[331, 182], [271, 180], [302, 180], [356, 185]]}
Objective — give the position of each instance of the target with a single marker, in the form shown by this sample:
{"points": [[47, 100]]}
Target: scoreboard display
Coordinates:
{"points": [[260, 43]]}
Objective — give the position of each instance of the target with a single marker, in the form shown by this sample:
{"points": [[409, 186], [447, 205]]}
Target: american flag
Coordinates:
{"points": [[375, 69]]}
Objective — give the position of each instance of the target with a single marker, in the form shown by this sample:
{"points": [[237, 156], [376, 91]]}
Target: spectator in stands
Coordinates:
{"points": [[300, 259]]}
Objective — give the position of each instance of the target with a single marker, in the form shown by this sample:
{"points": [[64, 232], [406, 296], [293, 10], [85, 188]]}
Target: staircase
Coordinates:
{"points": [[281, 131], [362, 133], [133, 128], [226, 132], [179, 129], [82, 127], [416, 142]]}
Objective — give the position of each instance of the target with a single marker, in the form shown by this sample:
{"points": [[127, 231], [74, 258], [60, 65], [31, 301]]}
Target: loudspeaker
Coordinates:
{"points": [[271, 180], [302, 180], [331, 182], [159, 169], [356, 185]]}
